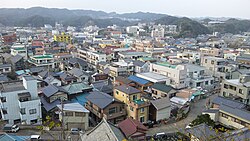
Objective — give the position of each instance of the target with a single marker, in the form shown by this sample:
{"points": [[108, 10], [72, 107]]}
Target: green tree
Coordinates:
{"points": [[203, 119]]}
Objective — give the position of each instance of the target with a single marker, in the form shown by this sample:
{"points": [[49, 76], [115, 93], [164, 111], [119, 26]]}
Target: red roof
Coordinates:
{"points": [[131, 126]]}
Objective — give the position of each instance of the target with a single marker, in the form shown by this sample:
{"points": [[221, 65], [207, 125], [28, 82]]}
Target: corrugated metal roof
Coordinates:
{"points": [[138, 79]]}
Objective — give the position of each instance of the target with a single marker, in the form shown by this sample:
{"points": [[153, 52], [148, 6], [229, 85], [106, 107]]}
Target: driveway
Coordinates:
{"points": [[195, 109]]}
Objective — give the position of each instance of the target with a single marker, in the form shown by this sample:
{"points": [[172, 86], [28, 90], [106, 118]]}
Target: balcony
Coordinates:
{"points": [[115, 115], [139, 103], [94, 111]]}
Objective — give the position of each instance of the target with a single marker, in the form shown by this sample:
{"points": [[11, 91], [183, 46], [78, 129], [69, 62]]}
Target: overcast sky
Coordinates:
{"points": [[190, 8]]}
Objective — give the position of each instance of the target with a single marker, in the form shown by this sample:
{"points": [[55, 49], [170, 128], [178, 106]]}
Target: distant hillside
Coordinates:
{"points": [[188, 27], [233, 26]]}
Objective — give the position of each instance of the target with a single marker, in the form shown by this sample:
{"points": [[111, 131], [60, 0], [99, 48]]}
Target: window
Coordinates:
{"points": [[131, 108], [225, 86], [117, 92], [212, 62], [134, 97], [142, 119], [224, 115], [206, 82], [212, 82], [3, 99], [112, 110], [22, 111], [224, 94], [121, 108], [205, 60], [79, 114], [32, 111], [68, 114], [240, 91], [142, 110], [5, 111]]}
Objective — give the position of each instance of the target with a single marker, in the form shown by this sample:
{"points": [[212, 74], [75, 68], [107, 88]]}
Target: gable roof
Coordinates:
{"points": [[76, 107], [241, 113], [77, 87], [123, 80], [49, 106], [162, 87], [51, 90], [78, 60], [229, 102], [16, 58], [138, 63], [161, 103], [127, 89], [100, 99], [50, 79], [130, 126], [138, 79], [104, 131]]}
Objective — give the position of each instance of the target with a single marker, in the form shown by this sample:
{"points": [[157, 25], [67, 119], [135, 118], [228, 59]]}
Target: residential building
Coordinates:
{"points": [[160, 109], [63, 38], [199, 77], [158, 32], [19, 49], [229, 113], [46, 60], [133, 129], [104, 131], [102, 105], [210, 51], [176, 73], [133, 55], [192, 57], [75, 116], [238, 89], [215, 66], [5, 68], [9, 38], [154, 77], [137, 108], [140, 83], [20, 102], [160, 90]]}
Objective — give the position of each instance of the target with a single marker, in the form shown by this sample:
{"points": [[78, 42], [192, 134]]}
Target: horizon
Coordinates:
{"points": [[179, 8]]}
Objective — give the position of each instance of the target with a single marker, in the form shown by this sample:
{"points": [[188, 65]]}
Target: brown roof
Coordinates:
{"points": [[131, 126]]}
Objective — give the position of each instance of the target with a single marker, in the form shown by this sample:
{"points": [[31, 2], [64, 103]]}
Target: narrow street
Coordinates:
{"points": [[195, 109]]}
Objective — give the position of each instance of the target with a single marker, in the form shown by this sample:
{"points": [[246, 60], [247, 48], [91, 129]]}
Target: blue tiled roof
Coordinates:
{"points": [[8, 137], [81, 98], [138, 79]]}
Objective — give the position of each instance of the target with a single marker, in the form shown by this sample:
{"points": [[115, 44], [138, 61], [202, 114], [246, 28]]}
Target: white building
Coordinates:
{"points": [[20, 102], [158, 32], [19, 49], [176, 73]]}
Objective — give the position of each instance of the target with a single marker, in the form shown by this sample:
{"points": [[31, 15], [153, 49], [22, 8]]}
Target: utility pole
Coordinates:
{"points": [[62, 121]]}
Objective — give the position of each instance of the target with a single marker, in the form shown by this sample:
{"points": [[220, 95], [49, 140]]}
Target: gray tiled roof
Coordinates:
{"points": [[202, 132], [127, 89], [161, 103], [16, 58], [225, 101], [51, 90], [162, 87], [12, 86], [236, 112], [100, 99]]}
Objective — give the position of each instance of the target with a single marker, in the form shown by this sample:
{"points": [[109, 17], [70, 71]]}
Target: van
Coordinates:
{"points": [[75, 130], [11, 128]]}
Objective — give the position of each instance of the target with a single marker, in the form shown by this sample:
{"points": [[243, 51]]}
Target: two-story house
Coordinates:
{"points": [[137, 108], [75, 116], [102, 105]]}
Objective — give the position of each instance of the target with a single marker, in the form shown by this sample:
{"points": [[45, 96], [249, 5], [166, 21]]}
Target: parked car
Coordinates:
{"points": [[160, 136], [11, 128], [75, 130], [35, 137], [149, 124]]}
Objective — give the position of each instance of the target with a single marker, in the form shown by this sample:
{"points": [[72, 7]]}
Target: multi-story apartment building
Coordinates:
{"points": [[120, 69], [20, 102], [45, 60], [215, 66], [5, 68], [192, 57], [102, 105], [137, 108], [90, 56], [176, 73], [9, 38], [198, 77], [133, 55], [19, 49], [158, 32], [63, 38], [238, 89], [209, 51]]}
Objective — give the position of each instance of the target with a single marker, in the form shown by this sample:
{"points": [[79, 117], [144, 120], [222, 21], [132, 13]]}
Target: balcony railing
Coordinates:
{"points": [[94, 111]]}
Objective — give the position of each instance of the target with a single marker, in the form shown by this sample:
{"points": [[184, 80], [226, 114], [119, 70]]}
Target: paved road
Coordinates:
{"points": [[195, 109]]}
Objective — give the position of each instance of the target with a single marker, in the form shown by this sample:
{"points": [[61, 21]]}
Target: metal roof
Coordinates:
{"points": [[138, 79]]}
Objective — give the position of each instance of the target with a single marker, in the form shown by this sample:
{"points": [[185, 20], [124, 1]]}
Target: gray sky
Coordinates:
{"points": [[190, 8]]}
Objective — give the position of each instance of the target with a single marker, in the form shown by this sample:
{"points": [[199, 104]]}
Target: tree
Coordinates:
{"points": [[203, 119]]}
